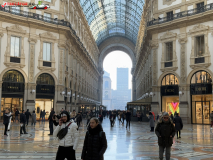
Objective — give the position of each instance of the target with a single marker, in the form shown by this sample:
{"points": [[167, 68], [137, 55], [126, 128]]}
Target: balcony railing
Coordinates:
{"points": [[43, 18], [181, 14]]}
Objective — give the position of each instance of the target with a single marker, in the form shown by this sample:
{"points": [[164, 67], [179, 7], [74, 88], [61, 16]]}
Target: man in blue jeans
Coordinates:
{"points": [[43, 116]]}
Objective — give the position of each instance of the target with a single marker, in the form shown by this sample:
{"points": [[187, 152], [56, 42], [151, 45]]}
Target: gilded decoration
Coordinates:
{"points": [[182, 40], [50, 38], [17, 31], [199, 30], [168, 2], [168, 37]]}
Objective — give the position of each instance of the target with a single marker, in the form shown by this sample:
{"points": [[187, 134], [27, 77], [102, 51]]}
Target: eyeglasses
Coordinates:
{"points": [[165, 117]]}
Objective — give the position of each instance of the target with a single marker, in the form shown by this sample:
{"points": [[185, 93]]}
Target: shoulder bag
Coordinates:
{"points": [[63, 132]]}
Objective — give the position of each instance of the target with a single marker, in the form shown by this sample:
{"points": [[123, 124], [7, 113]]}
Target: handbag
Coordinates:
{"points": [[63, 132]]}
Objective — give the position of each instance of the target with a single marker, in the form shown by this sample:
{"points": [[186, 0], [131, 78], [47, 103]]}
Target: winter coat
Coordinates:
{"points": [[151, 121], [165, 130], [73, 115], [94, 144], [178, 123], [23, 118], [128, 116], [16, 113], [28, 114], [112, 116], [33, 118], [211, 116], [43, 114], [50, 118], [72, 136], [6, 118]]}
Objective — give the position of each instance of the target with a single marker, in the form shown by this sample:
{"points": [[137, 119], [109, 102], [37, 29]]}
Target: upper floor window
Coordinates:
{"points": [[169, 51], [169, 15], [15, 46], [169, 79], [47, 16], [46, 51], [199, 44], [200, 7]]}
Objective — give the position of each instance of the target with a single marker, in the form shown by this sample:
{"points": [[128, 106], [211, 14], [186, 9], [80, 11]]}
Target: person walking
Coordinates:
{"points": [[28, 114], [128, 119], [69, 143], [211, 117], [151, 121], [138, 115], [141, 117], [43, 116], [178, 125], [88, 117], [165, 132], [23, 121], [50, 118], [33, 118], [78, 119], [159, 116], [172, 117], [73, 115], [7, 115], [9, 124], [95, 142], [101, 118], [16, 115], [112, 119]]}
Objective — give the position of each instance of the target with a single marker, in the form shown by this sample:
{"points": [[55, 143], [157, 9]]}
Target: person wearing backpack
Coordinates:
{"points": [[95, 142], [68, 141]]}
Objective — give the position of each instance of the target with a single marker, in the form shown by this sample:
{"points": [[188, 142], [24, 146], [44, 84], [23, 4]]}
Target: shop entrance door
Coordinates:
{"points": [[202, 112]]}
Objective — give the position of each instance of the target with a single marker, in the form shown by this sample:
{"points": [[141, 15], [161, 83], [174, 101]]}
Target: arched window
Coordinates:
{"points": [[13, 76], [45, 79], [106, 85], [201, 77], [169, 79]]}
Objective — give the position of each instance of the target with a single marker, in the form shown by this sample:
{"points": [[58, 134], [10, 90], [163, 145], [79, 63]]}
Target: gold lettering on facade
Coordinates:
{"points": [[200, 89], [169, 90]]}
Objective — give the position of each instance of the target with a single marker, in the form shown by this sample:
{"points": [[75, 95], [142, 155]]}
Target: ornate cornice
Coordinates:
{"points": [[168, 2], [182, 38], [16, 28], [48, 35], [32, 40], [154, 44], [168, 35], [198, 28]]}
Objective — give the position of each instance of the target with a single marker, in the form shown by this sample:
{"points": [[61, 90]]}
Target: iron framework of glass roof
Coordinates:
{"points": [[108, 18]]}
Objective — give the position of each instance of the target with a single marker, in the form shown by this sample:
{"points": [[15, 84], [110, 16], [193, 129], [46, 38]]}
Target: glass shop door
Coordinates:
{"points": [[202, 112]]}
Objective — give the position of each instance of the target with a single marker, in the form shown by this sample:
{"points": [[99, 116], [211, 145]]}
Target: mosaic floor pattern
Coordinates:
{"points": [[137, 144]]}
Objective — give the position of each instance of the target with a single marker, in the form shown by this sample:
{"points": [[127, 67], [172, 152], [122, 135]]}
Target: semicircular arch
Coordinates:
{"points": [[166, 73], [50, 73], [17, 69]]}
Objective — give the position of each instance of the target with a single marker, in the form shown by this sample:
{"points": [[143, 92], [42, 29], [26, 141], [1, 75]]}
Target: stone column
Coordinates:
{"points": [[156, 98], [100, 85], [59, 98], [0, 95], [184, 99]]}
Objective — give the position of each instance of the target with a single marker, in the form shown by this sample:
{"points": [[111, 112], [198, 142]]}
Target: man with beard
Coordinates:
{"points": [[165, 131]]}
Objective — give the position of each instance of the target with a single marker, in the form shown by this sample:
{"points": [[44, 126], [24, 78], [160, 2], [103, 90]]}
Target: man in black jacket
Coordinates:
{"points": [[7, 116], [50, 118], [23, 121], [165, 131], [28, 114], [128, 118]]}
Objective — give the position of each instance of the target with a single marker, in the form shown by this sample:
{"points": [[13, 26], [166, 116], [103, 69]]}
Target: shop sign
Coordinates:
{"points": [[12, 87], [201, 88], [169, 90], [50, 89]]}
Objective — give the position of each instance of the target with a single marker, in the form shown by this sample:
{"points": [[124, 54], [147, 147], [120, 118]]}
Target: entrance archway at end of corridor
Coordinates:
{"points": [[116, 44]]}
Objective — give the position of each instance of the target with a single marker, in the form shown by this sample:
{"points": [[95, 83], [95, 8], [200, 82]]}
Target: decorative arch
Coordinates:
{"points": [[46, 76], [188, 81], [17, 69], [53, 75], [166, 73], [14, 76]]}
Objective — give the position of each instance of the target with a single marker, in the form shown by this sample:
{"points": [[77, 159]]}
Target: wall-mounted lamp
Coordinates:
{"points": [[33, 91], [62, 93], [77, 95], [151, 94], [73, 95], [181, 93], [69, 94]]}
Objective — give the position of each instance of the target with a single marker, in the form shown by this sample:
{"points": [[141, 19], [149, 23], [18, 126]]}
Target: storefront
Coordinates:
{"points": [[170, 94], [12, 91], [45, 92], [140, 106], [201, 96]]}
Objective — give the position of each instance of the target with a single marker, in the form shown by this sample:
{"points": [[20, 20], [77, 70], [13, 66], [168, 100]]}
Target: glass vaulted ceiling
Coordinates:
{"points": [[108, 18]]}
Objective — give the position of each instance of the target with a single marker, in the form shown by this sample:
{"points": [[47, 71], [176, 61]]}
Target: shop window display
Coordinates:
{"points": [[43, 104]]}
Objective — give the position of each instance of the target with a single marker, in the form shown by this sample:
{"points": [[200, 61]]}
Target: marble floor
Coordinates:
{"points": [[137, 144]]}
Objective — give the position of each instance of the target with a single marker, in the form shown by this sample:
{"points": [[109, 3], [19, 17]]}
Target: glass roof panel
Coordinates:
{"points": [[108, 18]]}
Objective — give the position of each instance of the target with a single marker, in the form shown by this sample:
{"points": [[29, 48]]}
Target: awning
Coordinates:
{"points": [[146, 101]]}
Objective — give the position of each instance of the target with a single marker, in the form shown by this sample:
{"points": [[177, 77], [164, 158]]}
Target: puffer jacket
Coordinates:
{"points": [[164, 131], [94, 145], [72, 136]]}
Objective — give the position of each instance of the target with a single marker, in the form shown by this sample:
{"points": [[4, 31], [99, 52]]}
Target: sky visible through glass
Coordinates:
{"points": [[114, 60]]}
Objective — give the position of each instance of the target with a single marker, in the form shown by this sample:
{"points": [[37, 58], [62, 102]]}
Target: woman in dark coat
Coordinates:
{"points": [[95, 143], [151, 121], [178, 124]]}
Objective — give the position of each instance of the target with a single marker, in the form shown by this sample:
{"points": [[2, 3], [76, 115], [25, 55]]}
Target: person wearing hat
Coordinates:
{"points": [[68, 144], [165, 132]]}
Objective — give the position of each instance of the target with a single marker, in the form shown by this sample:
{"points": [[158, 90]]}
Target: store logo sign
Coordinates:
{"points": [[169, 90], [200, 89]]}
